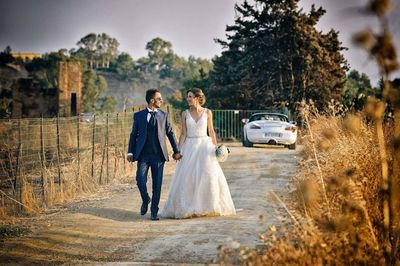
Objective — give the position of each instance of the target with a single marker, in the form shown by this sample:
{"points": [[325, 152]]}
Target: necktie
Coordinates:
{"points": [[152, 120]]}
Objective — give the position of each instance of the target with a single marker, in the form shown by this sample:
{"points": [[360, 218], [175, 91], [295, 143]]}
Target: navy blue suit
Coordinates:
{"points": [[148, 145]]}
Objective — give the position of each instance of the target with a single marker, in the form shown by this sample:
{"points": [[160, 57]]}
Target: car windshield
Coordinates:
{"points": [[270, 117]]}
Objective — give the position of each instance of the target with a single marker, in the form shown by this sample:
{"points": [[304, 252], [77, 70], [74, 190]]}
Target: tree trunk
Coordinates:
{"points": [[292, 98]]}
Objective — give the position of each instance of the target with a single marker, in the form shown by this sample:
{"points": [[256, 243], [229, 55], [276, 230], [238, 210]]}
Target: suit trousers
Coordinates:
{"points": [[155, 162]]}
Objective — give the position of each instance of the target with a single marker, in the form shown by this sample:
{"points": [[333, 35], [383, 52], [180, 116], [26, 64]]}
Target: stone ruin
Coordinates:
{"points": [[31, 100]]}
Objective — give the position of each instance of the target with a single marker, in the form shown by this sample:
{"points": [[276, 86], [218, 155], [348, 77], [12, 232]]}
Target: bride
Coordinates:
{"points": [[199, 187]]}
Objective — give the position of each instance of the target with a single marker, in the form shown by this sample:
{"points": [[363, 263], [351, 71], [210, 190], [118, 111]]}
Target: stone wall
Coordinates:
{"points": [[30, 100], [69, 83], [9, 74]]}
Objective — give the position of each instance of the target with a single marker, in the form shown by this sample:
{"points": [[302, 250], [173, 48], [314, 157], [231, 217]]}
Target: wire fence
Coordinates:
{"points": [[45, 161], [228, 124]]}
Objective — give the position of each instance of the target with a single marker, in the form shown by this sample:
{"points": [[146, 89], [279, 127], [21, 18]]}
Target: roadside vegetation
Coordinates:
{"points": [[344, 209]]}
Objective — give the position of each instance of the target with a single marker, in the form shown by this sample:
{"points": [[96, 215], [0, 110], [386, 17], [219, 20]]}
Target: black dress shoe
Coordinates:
{"points": [[154, 217], [145, 207]]}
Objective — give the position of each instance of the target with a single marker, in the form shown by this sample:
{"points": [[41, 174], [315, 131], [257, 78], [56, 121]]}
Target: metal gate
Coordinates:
{"points": [[228, 124]]}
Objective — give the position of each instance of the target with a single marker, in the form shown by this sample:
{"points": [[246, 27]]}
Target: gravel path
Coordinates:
{"points": [[108, 228]]}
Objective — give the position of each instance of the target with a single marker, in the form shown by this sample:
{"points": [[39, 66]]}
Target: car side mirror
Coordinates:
{"points": [[245, 120], [293, 122]]}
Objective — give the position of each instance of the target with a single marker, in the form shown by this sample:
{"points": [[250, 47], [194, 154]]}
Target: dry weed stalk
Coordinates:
{"points": [[347, 236], [305, 112], [286, 208], [382, 48], [359, 161], [16, 201], [351, 235]]}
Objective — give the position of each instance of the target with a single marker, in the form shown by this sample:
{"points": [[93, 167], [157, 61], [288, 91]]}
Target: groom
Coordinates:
{"points": [[148, 146]]}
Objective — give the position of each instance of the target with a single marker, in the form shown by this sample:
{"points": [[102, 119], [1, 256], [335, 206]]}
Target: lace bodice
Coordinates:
{"points": [[199, 128]]}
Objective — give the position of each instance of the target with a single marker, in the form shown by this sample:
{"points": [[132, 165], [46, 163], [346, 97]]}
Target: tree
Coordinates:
{"points": [[161, 56], [44, 70], [198, 80], [358, 88], [87, 48], [94, 87], [107, 104], [5, 102], [6, 57], [107, 49], [5, 92], [274, 55], [124, 66], [189, 73], [97, 49]]}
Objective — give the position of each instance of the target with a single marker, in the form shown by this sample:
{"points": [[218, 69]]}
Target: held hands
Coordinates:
{"points": [[129, 157], [177, 156]]}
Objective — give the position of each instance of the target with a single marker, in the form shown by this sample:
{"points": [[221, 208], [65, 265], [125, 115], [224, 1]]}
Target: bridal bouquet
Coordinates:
{"points": [[222, 153]]}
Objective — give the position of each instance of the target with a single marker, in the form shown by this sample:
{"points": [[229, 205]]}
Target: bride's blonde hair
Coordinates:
{"points": [[198, 93]]}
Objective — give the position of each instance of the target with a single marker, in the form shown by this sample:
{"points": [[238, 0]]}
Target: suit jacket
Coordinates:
{"points": [[139, 133]]}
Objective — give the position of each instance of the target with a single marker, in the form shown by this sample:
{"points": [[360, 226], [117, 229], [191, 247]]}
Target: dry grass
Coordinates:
{"points": [[348, 187], [35, 197], [347, 229], [3, 214], [75, 179]]}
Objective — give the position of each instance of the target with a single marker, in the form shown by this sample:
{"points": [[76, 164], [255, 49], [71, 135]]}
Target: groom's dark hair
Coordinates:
{"points": [[150, 94]]}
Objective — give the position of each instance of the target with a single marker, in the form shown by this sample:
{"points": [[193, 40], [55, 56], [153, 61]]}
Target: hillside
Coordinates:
{"points": [[126, 92], [8, 74], [132, 92]]}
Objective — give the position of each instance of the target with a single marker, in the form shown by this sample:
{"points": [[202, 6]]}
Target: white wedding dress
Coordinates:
{"points": [[199, 187]]}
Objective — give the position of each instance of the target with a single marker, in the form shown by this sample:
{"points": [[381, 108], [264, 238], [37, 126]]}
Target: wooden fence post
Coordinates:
{"points": [[2, 201], [102, 161], [93, 140], [18, 181], [124, 143], [107, 139], [42, 161], [11, 166], [60, 181], [78, 181], [116, 144]]}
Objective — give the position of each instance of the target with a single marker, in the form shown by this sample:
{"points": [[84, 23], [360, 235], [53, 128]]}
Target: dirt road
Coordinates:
{"points": [[109, 228]]}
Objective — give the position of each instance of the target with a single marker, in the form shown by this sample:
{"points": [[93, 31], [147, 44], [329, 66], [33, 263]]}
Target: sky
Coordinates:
{"points": [[190, 25]]}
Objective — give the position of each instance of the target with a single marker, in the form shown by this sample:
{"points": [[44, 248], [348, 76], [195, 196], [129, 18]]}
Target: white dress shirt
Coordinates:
{"points": [[149, 115]]}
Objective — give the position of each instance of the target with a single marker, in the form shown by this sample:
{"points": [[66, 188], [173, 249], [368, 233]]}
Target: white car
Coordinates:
{"points": [[269, 128]]}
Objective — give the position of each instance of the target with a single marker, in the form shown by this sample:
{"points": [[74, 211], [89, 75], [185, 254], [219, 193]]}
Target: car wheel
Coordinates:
{"points": [[292, 146], [246, 142]]}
